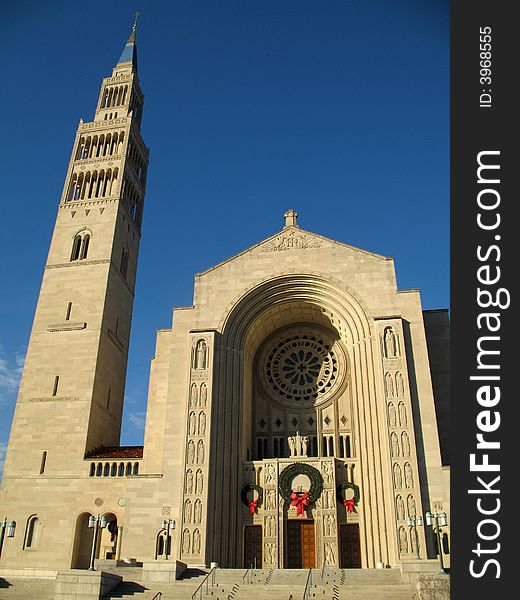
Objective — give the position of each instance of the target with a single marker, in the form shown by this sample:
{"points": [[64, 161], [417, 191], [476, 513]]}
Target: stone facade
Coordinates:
{"points": [[298, 351]]}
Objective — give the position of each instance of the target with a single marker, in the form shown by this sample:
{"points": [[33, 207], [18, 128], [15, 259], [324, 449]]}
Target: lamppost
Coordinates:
{"points": [[441, 520], [10, 527], [168, 524], [415, 521], [96, 522]]}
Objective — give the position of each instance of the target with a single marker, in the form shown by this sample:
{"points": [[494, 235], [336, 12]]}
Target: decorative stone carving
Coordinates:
{"points": [[298, 444], [194, 396], [186, 539], [196, 542], [399, 385], [394, 445], [187, 511], [328, 472], [202, 423], [405, 443], [203, 395], [197, 512], [390, 341], [270, 553], [389, 386], [403, 419], [189, 482], [270, 474], [192, 424], [200, 452], [398, 477], [328, 525], [403, 540], [411, 506], [408, 476], [400, 508], [270, 500], [392, 416], [292, 241], [199, 482], [200, 355], [330, 558], [270, 526], [191, 452]]}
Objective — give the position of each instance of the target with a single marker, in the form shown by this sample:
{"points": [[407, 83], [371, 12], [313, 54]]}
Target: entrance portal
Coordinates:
{"points": [[253, 546], [350, 549], [301, 546]]}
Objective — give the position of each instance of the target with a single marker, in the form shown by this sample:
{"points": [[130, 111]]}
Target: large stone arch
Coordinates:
{"points": [[270, 304]]}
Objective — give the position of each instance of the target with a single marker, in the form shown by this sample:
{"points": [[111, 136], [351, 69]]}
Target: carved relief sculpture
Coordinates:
{"points": [[403, 540], [398, 478], [200, 355], [194, 396], [408, 476], [411, 506], [197, 513], [199, 482], [403, 421], [196, 542], [400, 508], [399, 384], [392, 417], [327, 472], [191, 452], [202, 423], [330, 558], [394, 445], [187, 511], [389, 385], [200, 452], [270, 474], [189, 482], [405, 442], [203, 395], [193, 423], [390, 343], [186, 541]]}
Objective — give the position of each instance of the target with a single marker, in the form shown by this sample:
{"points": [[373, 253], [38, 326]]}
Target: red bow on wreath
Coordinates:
{"points": [[252, 506], [349, 504], [300, 501]]}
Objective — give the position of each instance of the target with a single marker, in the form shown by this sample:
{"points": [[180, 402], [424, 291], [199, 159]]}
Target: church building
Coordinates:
{"points": [[295, 412]]}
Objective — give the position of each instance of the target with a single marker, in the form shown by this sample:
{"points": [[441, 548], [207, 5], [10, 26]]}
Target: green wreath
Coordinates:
{"points": [[340, 492], [289, 473], [252, 504]]}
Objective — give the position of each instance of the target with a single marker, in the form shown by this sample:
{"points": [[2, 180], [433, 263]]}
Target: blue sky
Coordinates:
{"points": [[338, 109]]}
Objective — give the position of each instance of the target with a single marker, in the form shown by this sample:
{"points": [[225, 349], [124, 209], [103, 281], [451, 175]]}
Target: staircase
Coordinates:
{"points": [[240, 584]]}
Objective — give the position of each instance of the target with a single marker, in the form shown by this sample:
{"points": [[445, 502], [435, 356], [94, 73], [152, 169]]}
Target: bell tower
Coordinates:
{"points": [[71, 393]]}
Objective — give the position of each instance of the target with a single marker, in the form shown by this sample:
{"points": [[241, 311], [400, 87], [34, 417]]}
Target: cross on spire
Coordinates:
{"points": [[136, 15]]}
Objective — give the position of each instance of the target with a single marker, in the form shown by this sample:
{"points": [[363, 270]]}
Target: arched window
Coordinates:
{"points": [[113, 470], [92, 471], [32, 533], [128, 468], [80, 246], [124, 262], [76, 246], [106, 470], [121, 471], [99, 470]]}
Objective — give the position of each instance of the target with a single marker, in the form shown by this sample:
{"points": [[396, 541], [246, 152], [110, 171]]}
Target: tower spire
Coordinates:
{"points": [[129, 55]]}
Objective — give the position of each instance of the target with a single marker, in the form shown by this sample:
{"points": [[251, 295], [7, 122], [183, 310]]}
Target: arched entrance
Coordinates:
{"points": [[83, 538], [106, 540]]}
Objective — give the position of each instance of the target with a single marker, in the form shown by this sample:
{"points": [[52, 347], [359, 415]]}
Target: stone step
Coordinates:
{"points": [[25, 589]]}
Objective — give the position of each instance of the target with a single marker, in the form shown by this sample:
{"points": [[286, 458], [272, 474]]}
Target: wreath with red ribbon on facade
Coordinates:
{"points": [[300, 499], [248, 498], [348, 503]]}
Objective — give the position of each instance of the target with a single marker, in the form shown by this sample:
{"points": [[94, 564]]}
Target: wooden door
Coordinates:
{"points": [[301, 545], [253, 546], [350, 548]]}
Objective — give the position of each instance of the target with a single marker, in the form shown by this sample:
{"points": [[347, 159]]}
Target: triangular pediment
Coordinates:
{"points": [[294, 239]]}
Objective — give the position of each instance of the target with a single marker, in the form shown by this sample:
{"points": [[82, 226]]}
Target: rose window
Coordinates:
{"points": [[300, 367]]}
